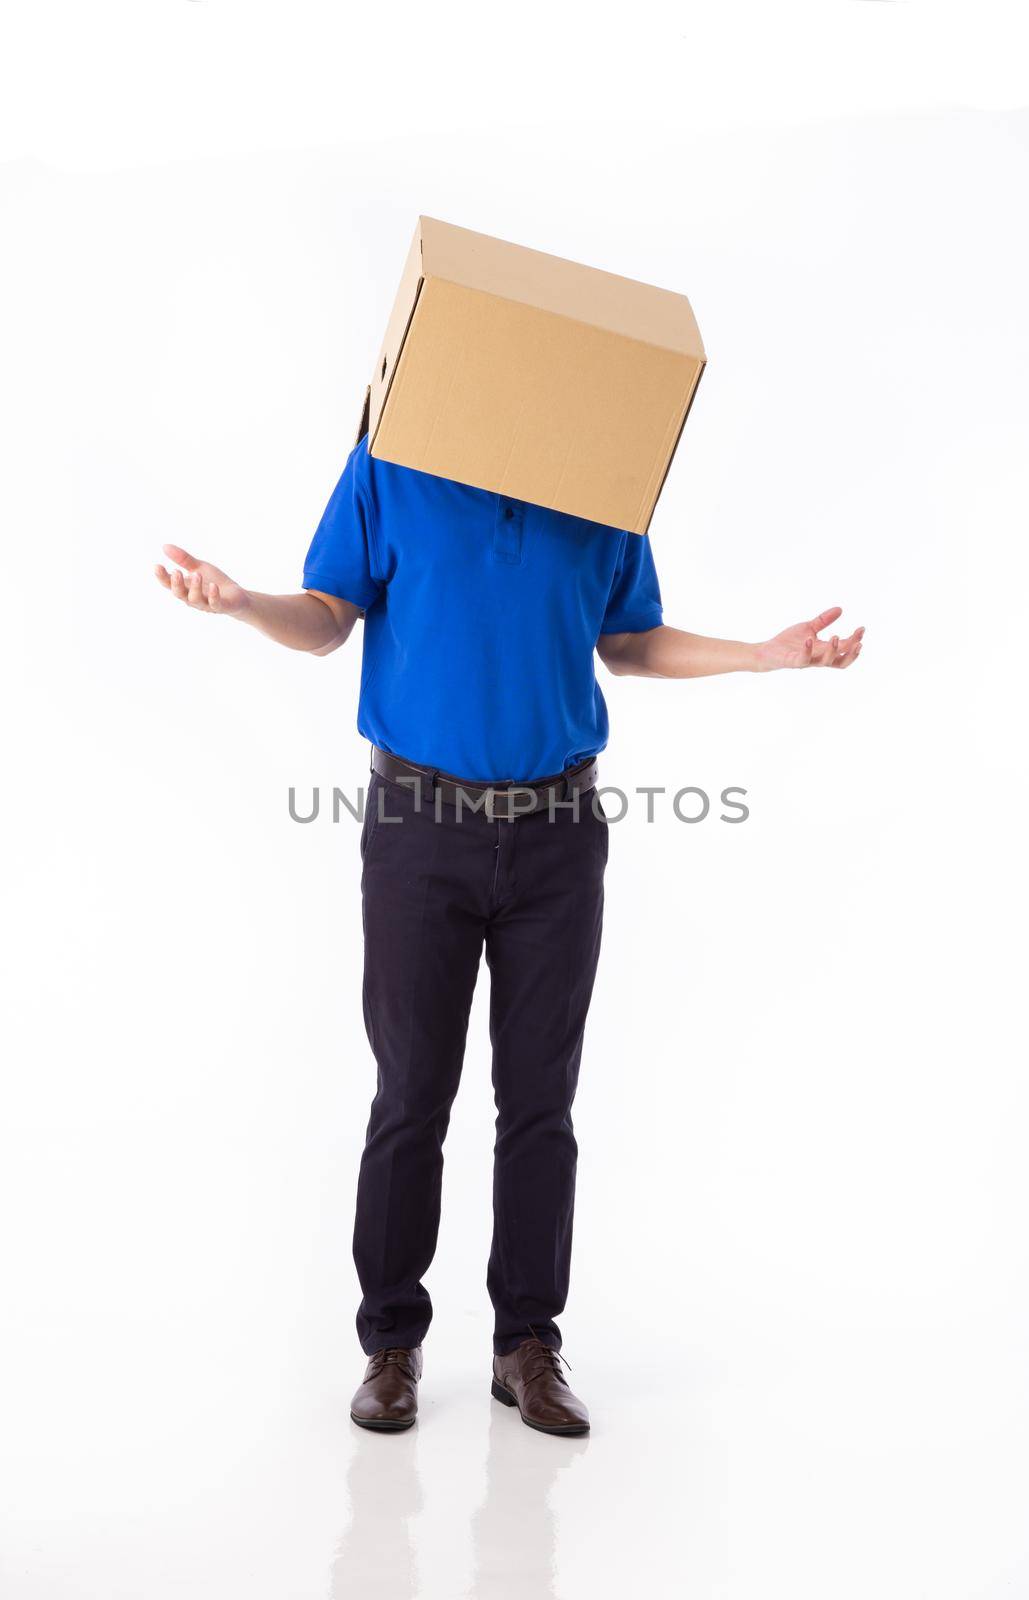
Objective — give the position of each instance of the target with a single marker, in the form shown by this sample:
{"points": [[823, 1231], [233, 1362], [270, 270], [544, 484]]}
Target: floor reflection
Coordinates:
{"points": [[514, 1532], [376, 1557]]}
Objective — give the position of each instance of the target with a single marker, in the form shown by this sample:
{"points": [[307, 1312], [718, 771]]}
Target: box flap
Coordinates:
{"points": [[602, 299]]}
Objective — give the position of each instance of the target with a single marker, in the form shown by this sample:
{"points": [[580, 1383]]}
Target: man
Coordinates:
{"points": [[479, 697]]}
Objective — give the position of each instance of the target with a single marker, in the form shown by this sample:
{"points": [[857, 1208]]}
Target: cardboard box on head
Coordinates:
{"points": [[533, 377]]}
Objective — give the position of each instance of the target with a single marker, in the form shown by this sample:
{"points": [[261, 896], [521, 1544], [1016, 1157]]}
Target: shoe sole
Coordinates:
{"points": [[506, 1398], [382, 1425]]}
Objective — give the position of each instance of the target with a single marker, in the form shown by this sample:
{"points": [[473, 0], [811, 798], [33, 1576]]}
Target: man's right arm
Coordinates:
{"points": [[312, 621]]}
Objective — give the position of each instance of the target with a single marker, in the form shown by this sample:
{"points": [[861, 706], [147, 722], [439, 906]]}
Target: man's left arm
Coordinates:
{"points": [[665, 652]]}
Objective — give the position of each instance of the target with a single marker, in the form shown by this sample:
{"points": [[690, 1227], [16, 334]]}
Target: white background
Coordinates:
{"points": [[800, 1310]]}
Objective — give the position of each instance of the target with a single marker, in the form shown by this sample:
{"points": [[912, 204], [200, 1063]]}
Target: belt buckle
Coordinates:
{"points": [[504, 795]]}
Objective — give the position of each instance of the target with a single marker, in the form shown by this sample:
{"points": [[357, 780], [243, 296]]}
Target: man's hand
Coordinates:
{"points": [[665, 652], [800, 645], [206, 588], [312, 621]]}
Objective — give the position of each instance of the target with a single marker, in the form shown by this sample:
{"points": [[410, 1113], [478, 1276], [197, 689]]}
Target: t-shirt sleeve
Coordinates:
{"points": [[342, 559], [634, 604]]}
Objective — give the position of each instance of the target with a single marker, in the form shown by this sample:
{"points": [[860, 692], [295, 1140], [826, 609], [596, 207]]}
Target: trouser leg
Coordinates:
{"points": [[425, 895], [542, 946]]}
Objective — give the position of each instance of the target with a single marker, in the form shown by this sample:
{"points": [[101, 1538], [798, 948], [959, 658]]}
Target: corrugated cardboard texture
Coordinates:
{"points": [[396, 330], [533, 377]]}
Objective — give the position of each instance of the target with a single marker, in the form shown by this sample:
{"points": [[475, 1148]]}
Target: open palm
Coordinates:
{"points": [[204, 587], [800, 645]]}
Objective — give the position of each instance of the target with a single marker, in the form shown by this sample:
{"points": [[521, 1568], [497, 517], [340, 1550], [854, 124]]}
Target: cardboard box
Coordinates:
{"points": [[533, 377]]}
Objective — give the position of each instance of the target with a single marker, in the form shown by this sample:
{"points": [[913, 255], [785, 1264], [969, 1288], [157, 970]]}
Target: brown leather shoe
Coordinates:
{"points": [[388, 1398], [531, 1379]]}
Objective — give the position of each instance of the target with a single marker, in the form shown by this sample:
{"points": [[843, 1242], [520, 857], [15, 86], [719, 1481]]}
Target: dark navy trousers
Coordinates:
{"points": [[436, 891]]}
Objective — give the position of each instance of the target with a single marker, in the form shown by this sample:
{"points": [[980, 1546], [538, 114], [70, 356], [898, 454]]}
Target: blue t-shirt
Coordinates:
{"points": [[482, 614]]}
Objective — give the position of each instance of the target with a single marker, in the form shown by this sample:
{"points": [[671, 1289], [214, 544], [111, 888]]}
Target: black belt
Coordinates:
{"points": [[503, 802]]}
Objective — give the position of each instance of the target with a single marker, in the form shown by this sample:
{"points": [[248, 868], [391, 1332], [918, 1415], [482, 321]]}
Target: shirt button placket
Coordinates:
{"points": [[507, 531]]}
